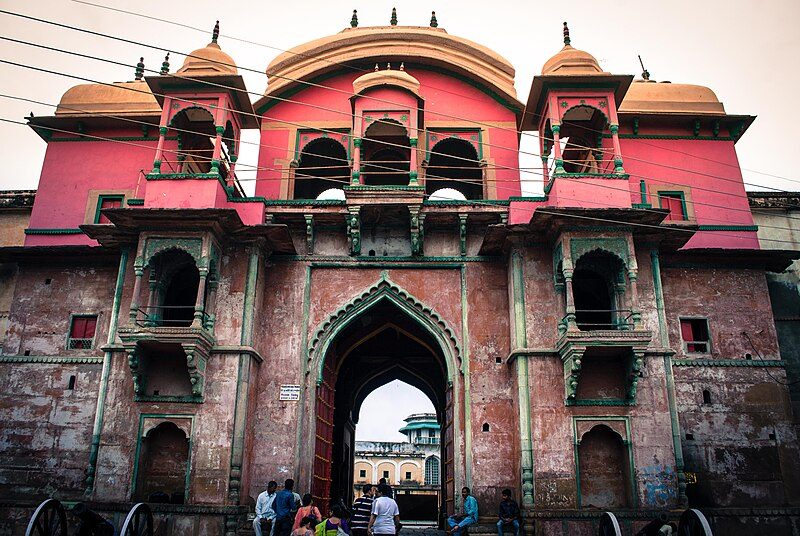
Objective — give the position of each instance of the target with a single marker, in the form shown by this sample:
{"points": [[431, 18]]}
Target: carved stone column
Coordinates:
{"points": [[138, 269]]}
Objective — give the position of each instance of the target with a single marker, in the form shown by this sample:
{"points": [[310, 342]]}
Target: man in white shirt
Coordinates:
{"points": [[385, 518], [265, 514]]}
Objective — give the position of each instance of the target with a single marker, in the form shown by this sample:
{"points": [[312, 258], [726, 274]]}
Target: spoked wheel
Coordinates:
{"points": [[49, 519], [694, 523], [609, 526], [139, 521]]}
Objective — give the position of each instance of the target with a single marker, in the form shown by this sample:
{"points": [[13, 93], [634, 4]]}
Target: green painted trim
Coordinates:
{"points": [[473, 130], [184, 176], [463, 203], [113, 138], [601, 402], [756, 363], [302, 202], [52, 231], [645, 206], [365, 261], [613, 175], [325, 134], [140, 440], [99, 414], [104, 197], [670, 378], [747, 228], [514, 107], [665, 137], [304, 365], [243, 378], [51, 359], [520, 338], [528, 198], [660, 194], [169, 398], [643, 192], [465, 372], [393, 187], [135, 202]]}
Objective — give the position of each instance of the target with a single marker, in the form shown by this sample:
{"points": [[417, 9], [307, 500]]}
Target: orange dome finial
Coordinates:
{"points": [[566, 34]]}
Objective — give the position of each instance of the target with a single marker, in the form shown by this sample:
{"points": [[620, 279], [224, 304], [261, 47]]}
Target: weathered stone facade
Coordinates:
{"points": [[605, 346]]}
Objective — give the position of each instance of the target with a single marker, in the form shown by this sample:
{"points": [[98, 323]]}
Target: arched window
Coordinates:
{"points": [[597, 287], [581, 130], [323, 165], [174, 279], [432, 471], [454, 165], [196, 131], [163, 464], [386, 154]]}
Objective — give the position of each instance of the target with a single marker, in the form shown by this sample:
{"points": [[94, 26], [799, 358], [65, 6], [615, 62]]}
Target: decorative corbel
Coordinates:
{"points": [[309, 233], [634, 373], [416, 232], [196, 365], [354, 230], [462, 233], [138, 378]]}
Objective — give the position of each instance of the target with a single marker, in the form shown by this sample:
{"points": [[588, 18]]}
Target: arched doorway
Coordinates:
{"points": [[384, 336]]}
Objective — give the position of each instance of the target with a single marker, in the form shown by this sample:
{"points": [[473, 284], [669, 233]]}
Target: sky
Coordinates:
{"points": [[746, 51], [384, 409]]}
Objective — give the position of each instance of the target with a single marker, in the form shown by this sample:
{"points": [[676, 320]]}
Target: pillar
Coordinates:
{"points": [[412, 166], [355, 177], [557, 150], [199, 303], [138, 269], [215, 158], [162, 134], [617, 151]]}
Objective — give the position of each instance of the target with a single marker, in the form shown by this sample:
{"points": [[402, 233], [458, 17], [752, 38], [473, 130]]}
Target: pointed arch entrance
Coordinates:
{"points": [[384, 334]]}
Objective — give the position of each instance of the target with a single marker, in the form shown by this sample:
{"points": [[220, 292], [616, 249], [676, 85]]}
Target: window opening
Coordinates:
{"points": [[604, 474], [180, 296], [362, 473], [71, 383], [674, 202], [486, 427], [386, 474], [432, 471], [454, 165], [323, 165], [706, 396], [408, 475], [694, 332], [81, 332], [386, 154], [106, 201]]}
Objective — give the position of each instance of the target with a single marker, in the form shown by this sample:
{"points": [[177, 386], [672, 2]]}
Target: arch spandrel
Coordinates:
{"points": [[618, 247], [385, 289]]}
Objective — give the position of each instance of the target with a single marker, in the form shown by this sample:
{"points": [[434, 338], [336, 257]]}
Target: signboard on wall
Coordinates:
{"points": [[290, 392]]}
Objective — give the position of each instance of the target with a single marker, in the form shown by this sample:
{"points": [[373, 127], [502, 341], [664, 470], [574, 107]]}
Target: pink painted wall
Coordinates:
{"points": [[71, 169], [710, 168], [449, 102]]}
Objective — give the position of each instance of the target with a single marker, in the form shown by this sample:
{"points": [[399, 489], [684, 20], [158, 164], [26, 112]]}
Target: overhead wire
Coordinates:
{"points": [[100, 34], [353, 67]]}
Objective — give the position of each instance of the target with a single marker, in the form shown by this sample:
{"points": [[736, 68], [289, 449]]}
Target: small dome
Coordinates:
{"points": [[664, 97], [120, 98], [571, 61], [208, 61], [389, 77]]}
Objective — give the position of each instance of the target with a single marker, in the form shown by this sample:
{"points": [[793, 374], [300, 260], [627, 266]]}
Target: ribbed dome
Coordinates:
{"points": [[120, 98], [664, 97], [386, 78], [571, 61], [208, 61]]}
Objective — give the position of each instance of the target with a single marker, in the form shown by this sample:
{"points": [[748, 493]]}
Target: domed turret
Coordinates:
{"points": [[664, 97], [209, 60], [389, 77], [571, 61]]}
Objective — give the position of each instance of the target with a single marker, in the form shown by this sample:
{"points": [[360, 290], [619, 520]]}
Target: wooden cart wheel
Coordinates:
{"points": [[609, 526], [694, 523], [49, 519], [139, 521]]}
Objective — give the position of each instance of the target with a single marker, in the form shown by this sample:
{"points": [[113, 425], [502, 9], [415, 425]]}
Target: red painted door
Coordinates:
{"points": [[323, 445], [449, 454]]}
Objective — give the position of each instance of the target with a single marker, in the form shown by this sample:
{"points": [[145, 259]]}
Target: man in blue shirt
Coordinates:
{"points": [[470, 515], [284, 505]]}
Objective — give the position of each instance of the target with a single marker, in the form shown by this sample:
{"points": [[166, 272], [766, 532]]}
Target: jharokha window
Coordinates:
{"points": [[106, 201], [81, 332], [694, 332], [674, 202]]}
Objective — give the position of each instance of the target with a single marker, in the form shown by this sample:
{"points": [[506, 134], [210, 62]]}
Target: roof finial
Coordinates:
{"points": [[402, 66], [388, 66], [140, 69], [566, 34], [393, 20], [376, 68], [354, 19], [645, 72], [215, 33], [434, 22], [165, 65]]}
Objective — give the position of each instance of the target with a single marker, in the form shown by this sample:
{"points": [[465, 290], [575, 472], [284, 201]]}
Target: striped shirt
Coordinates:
{"points": [[362, 510]]}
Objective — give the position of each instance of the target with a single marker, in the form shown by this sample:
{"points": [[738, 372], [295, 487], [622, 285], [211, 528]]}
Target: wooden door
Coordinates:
{"points": [[323, 444]]}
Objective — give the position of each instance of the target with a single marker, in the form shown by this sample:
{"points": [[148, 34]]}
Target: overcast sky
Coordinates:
{"points": [[384, 409], [746, 51]]}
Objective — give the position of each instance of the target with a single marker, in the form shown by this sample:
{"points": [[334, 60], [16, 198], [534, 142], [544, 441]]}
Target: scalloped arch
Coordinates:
{"points": [[385, 289]]}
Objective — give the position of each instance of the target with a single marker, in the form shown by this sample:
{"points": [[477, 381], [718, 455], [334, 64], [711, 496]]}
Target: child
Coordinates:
{"points": [[306, 528]]}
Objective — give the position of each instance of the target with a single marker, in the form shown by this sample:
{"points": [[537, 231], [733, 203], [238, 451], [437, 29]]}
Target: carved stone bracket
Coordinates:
{"points": [[462, 233], [417, 231], [354, 230], [309, 233]]}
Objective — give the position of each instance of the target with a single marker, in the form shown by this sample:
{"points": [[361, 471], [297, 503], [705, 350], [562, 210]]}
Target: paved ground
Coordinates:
{"points": [[420, 531]]}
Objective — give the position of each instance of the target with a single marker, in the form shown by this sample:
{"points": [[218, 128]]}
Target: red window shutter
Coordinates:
{"points": [[90, 326], [676, 208], [108, 203], [78, 328], [686, 331]]}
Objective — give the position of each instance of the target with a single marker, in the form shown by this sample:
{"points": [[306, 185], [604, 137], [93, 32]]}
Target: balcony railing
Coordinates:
{"points": [[426, 441], [619, 319], [79, 344], [153, 316]]}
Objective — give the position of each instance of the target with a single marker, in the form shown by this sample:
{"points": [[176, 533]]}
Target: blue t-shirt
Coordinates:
{"points": [[284, 504]]}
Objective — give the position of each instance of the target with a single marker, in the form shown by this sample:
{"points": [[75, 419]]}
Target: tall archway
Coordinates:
{"points": [[603, 472], [386, 154], [383, 335], [163, 465], [323, 165], [454, 164]]}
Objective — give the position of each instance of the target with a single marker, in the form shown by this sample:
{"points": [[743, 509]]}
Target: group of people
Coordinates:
{"points": [[285, 513], [375, 513]]}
